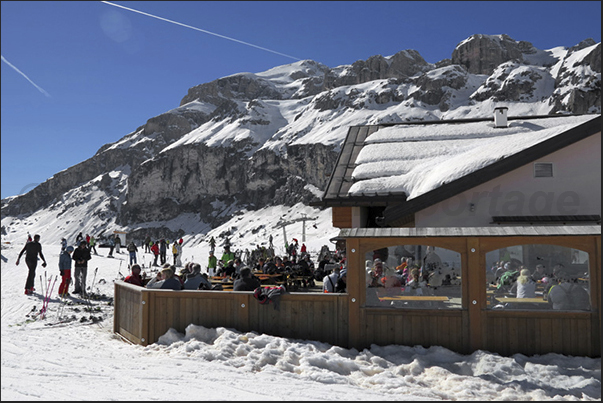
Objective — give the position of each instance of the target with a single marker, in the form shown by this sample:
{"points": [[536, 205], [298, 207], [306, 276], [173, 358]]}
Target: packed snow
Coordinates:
{"points": [[83, 360], [414, 159]]}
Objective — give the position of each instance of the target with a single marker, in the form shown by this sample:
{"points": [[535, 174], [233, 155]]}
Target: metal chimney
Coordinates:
{"points": [[500, 116]]}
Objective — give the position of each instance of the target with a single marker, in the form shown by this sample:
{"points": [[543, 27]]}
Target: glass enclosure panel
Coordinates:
{"points": [[536, 277], [413, 276]]}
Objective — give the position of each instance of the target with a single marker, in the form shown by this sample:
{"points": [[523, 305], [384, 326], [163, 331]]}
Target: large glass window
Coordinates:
{"points": [[413, 276], [536, 277]]}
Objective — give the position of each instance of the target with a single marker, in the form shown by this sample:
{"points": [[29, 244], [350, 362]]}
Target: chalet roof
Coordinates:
{"points": [[411, 166], [544, 230]]}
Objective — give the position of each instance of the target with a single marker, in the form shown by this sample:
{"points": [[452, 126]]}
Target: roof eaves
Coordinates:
{"points": [[492, 171]]}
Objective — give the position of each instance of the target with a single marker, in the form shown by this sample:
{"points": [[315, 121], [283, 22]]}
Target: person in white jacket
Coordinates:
{"points": [[525, 286], [330, 281]]}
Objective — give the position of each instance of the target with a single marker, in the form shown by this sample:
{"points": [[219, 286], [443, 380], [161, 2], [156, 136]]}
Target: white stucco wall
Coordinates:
{"points": [[574, 189]]}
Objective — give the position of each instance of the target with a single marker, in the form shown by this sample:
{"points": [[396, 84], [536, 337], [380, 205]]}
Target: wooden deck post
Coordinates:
{"points": [[475, 300], [356, 288]]}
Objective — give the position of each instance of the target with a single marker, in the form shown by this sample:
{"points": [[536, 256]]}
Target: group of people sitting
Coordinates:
{"points": [[560, 289], [190, 278], [415, 280]]}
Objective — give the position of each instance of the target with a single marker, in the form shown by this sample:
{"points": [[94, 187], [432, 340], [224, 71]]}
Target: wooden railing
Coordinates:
{"points": [[143, 315]]}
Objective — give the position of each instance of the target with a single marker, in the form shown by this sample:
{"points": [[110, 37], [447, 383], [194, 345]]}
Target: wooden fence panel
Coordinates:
{"points": [[532, 333], [322, 317]]}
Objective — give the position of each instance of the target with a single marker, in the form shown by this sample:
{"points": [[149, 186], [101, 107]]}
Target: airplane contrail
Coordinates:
{"points": [[27, 78], [199, 29]]}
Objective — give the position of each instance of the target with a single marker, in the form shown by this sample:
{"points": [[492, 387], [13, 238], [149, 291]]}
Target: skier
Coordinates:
{"points": [[176, 252], [111, 245], [31, 249], [162, 251], [155, 250], [81, 256], [65, 269], [92, 244], [212, 264], [132, 249], [117, 243]]}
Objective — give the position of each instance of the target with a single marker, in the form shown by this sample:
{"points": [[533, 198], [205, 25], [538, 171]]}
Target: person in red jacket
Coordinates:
{"points": [[134, 277], [155, 250]]}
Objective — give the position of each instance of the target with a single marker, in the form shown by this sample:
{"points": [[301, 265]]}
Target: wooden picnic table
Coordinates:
{"points": [[261, 275], [441, 298], [221, 280]]}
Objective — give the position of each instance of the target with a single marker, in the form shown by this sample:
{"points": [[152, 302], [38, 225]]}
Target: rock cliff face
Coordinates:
{"points": [[481, 54], [250, 140]]}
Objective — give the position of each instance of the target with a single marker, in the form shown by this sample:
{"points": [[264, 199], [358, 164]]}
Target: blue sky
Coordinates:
{"points": [[78, 75]]}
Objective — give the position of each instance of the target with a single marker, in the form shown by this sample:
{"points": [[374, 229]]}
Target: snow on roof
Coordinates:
{"points": [[415, 159]]}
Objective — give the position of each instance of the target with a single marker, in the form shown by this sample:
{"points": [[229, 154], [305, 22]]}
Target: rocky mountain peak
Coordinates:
{"points": [[481, 54], [250, 140]]}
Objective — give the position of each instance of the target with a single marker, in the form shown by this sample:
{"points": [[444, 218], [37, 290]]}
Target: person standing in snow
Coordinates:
{"points": [[117, 243], [147, 244], [175, 251], [65, 270], [111, 245], [31, 249], [162, 251], [155, 250], [81, 256], [179, 256], [132, 249], [212, 264], [212, 244], [93, 245]]}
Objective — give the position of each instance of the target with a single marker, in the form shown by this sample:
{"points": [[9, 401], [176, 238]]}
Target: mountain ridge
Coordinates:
{"points": [[251, 140]]}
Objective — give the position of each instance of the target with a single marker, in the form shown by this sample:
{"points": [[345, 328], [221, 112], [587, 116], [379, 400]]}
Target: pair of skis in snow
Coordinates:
{"points": [[47, 294]]}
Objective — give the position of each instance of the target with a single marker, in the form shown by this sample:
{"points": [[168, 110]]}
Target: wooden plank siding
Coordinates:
{"points": [[342, 217], [143, 315], [322, 317], [415, 327]]}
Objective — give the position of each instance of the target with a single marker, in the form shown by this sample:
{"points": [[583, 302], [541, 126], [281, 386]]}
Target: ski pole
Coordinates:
{"points": [[43, 310], [93, 280], [50, 293]]}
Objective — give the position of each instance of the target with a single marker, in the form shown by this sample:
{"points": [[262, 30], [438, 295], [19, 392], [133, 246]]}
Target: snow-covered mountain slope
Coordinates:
{"points": [[252, 140]]}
